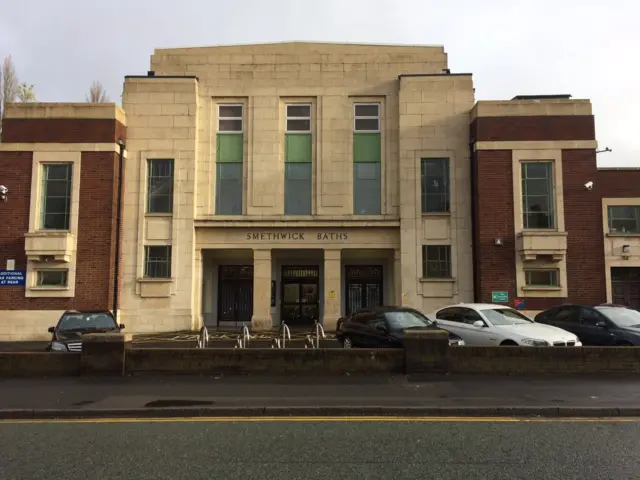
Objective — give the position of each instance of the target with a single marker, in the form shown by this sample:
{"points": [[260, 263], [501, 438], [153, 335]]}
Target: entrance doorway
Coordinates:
{"points": [[363, 287], [300, 295], [235, 293], [625, 286]]}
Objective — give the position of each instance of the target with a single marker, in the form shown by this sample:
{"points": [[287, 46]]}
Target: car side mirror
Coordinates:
{"points": [[121, 326], [52, 329], [478, 323], [382, 328], [601, 324]]}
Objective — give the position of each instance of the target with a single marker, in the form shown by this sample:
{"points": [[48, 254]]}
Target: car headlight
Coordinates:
{"points": [[58, 347], [534, 342]]}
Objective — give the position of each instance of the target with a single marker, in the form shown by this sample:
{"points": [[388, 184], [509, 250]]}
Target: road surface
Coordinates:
{"points": [[321, 448]]}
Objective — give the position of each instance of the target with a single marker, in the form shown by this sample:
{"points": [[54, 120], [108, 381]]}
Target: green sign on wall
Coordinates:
{"points": [[499, 297]]}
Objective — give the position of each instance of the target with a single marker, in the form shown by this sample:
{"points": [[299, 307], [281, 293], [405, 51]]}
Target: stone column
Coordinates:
{"points": [[261, 319], [332, 289], [397, 279]]}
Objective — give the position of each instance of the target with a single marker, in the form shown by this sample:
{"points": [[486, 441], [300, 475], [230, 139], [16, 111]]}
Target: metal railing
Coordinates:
{"points": [[242, 341], [203, 338], [285, 333], [317, 333]]}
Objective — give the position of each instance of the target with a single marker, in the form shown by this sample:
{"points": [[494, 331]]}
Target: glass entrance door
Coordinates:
{"points": [[300, 295], [363, 287]]}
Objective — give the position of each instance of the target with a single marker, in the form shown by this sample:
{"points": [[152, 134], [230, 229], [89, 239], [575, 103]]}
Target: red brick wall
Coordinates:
{"points": [[521, 128], [493, 199], [61, 130], [96, 231], [493, 204], [618, 183]]}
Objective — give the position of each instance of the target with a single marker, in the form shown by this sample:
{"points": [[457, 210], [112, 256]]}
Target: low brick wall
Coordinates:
{"points": [[39, 364], [543, 360], [264, 361]]}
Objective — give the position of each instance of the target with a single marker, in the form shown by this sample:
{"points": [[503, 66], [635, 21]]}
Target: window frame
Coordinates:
{"points": [[43, 195], [40, 285], [448, 263], [363, 117], [552, 213], [610, 217], [556, 275], [241, 118], [292, 118], [168, 260], [173, 181], [447, 181]]}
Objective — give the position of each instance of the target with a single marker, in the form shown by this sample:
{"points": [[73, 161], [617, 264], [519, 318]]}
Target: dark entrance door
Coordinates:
{"points": [[300, 296], [363, 287], [625, 286], [235, 293]]}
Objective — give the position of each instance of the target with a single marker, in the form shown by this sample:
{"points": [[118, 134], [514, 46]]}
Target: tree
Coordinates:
{"points": [[9, 84], [26, 93], [97, 94]]}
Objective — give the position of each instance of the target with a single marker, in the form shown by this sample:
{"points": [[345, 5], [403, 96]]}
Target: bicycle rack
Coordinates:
{"points": [[242, 341], [203, 338], [286, 335], [313, 340]]}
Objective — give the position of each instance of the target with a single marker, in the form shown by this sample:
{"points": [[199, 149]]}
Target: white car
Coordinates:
{"points": [[480, 324]]}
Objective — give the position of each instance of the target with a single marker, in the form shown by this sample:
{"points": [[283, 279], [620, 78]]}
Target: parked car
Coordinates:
{"points": [[604, 325], [383, 327], [67, 334], [491, 324]]}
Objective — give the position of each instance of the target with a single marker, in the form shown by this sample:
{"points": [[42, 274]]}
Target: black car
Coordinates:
{"points": [[67, 334], [383, 327], [602, 325]]}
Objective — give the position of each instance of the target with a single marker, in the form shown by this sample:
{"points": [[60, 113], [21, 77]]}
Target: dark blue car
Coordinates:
{"points": [[602, 325]]}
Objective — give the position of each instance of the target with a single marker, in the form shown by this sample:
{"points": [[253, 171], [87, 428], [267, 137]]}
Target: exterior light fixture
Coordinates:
{"points": [[626, 249], [498, 241]]}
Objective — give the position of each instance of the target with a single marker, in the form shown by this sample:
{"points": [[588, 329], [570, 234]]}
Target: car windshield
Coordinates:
{"points": [[623, 317], [505, 316], [403, 319], [86, 321]]}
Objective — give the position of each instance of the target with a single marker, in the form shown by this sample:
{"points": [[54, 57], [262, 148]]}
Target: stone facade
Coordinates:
{"points": [[298, 181]]}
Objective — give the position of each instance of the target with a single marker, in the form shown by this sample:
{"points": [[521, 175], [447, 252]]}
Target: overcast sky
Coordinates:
{"points": [[587, 48]]}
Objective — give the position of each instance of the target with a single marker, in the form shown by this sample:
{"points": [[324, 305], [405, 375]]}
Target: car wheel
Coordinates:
{"points": [[347, 343], [508, 343]]}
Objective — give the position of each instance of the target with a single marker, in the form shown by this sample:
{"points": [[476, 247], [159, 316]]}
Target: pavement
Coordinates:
{"points": [[312, 448], [350, 395]]}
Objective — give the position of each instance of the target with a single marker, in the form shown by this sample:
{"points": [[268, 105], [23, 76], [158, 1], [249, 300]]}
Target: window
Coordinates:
{"points": [[469, 316], [160, 186], [298, 118], [56, 196], [157, 261], [52, 278], [298, 160], [230, 118], [624, 219], [542, 278], [591, 317], [537, 195], [566, 315], [367, 156], [436, 261], [450, 314], [434, 181], [229, 160]]}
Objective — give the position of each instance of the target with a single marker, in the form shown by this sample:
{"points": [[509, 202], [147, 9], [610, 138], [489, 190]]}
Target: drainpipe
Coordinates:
{"points": [[116, 266], [474, 219]]}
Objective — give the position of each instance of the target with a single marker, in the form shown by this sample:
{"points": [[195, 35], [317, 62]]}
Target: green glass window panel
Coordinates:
{"points": [[366, 148], [297, 148], [229, 148]]}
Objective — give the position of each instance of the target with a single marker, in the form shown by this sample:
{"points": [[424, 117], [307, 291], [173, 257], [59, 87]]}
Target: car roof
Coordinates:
{"points": [[478, 306], [383, 309]]}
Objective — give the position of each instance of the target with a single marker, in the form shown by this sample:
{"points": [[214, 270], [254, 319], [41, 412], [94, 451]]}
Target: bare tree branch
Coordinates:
{"points": [[26, 93], [97, 94]]}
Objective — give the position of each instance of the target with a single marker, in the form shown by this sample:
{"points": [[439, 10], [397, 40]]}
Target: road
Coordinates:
{"points": [[321, 448]]}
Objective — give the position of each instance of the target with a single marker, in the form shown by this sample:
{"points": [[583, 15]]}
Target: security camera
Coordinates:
{"points": [[588, 185], [3, 190]]}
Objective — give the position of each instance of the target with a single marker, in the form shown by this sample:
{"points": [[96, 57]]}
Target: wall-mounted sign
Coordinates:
{"points": [[295, 236], [12, 278], [519, 303], [332, 294], [499, 297]]}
